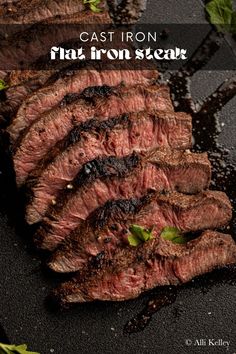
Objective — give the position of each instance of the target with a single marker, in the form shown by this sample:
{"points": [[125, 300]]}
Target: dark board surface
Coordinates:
{"points": [[203, 309]]}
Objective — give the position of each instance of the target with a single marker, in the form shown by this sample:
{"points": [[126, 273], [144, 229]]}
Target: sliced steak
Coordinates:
{"points": [[48, 97], [107, 227], [150, 269], [55, 125], [146, 131], [112, 178], [105, 140]]}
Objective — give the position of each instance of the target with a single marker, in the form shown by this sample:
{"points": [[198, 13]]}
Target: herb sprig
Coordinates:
{"points": [[3, 85], [222, 15], [14, 349], [139, 235], [173, 234], [93, 4]]}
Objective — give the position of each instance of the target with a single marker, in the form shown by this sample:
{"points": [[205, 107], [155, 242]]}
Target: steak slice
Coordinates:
{"points": [[113, 178], [55, 125], [107, 227], [150, 269], [48, 97]]}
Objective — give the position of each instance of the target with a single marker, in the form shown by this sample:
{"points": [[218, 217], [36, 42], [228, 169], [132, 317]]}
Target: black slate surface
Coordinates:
{"points": [[203, 309]]}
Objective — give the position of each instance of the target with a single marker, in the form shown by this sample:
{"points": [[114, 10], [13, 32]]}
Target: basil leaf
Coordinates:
{"points": [[96, 2], [221, 14], [94, 8], [169, 232], [3, 85], [13, 349], [134, 240], [138, 235], [93, 5], [173, 234], [140, 232], [180, 240]]}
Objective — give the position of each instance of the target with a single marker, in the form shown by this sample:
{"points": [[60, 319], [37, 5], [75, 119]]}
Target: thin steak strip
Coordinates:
{"points": [[107, 227], [55, 125], [114, 178], [148, 270], [48, 97]]}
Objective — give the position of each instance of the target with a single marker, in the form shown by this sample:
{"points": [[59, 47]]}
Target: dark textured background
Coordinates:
{"points": [[205, 308]]}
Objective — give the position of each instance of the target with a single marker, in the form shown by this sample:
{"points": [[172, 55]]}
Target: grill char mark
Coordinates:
{"points": [[106, 168], [89, 93]]}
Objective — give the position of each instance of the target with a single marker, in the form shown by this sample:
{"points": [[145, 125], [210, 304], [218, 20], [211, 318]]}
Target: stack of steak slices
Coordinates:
{"points": [[99, 151]]}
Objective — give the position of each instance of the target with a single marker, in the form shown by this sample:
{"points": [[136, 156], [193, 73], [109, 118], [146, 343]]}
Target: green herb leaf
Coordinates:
{"points": [[222, 15], [3, 85], [134, 240], [93, 5], [94, 8], [173, 234], [13, 349], [139, 235]]}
